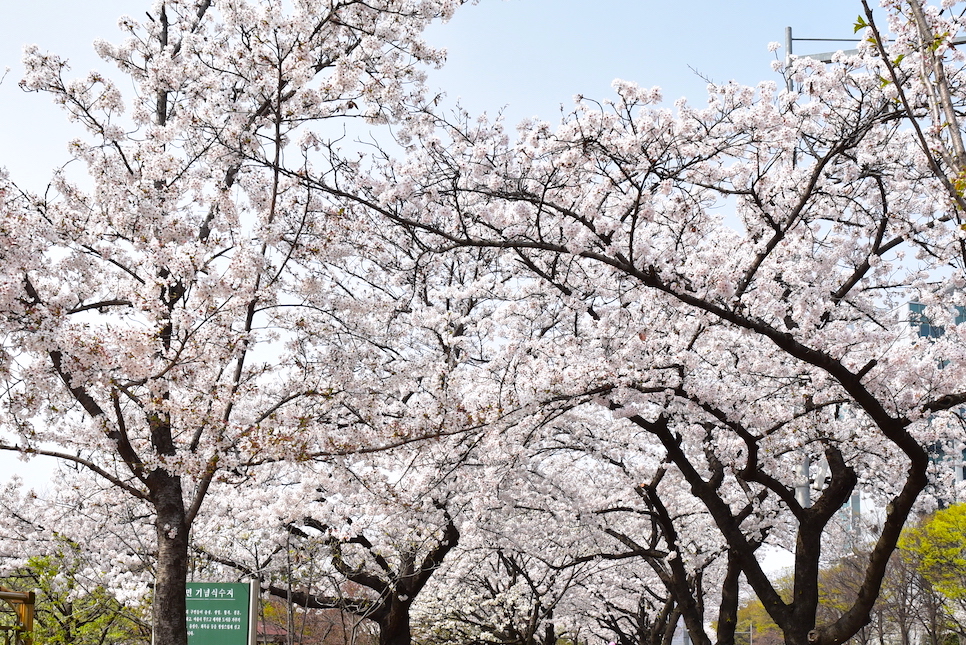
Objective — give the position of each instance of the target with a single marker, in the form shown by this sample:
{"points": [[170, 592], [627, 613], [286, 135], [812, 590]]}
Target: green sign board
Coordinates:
{"points": [[219, 613]]}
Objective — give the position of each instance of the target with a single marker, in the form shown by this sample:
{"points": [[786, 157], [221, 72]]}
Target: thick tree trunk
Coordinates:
{"points": [[730, 599], [170, 625], [549, 634], [394, 628]]}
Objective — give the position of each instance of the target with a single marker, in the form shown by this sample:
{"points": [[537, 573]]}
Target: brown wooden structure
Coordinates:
{"points": [[22, 603]]}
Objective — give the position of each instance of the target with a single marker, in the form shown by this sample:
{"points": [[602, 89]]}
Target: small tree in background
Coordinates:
{"points": [[72, 608], [936, 547]]}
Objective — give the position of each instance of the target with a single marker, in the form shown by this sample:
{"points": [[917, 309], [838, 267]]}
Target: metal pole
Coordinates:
{"points": [[788, 55], [254, 598]]}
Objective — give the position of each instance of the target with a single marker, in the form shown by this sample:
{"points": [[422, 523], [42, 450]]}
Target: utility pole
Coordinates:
{"points": [[826, 57], [803, 487]]}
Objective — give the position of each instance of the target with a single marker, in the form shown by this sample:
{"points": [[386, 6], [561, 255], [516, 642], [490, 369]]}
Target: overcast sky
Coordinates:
{"points": [[527, 56]]}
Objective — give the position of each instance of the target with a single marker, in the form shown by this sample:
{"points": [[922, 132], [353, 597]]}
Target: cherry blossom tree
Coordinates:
{"points": [[367, 546], [562, 543], [731, 282], [183, 309], [499, 596], [631, 508], [378, 519]]}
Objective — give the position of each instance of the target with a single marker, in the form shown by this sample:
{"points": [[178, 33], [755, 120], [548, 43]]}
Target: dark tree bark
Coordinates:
{"points": [[395, 587]]}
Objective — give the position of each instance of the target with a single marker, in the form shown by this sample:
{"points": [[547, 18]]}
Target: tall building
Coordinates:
{"points": [[940, 452], [922, 325]]}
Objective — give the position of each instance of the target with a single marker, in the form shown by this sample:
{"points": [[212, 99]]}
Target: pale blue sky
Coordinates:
{"points": [[534, 55], [529, 55]]}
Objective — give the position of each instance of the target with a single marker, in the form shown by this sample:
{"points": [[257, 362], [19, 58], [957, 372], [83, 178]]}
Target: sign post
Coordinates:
{"points": [[221, 613]]}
